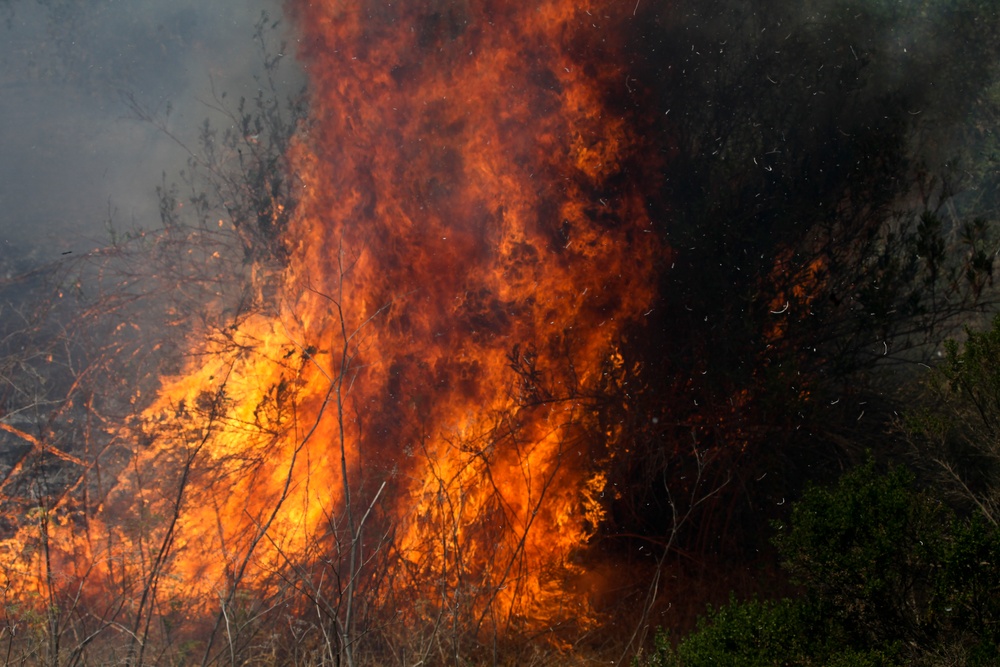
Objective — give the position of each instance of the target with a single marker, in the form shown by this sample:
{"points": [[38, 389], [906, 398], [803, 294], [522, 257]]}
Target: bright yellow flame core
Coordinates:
{"points": [[463, 260]]}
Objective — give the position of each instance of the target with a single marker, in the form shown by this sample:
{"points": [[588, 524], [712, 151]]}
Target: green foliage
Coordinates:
{"points": [[892, 565], [662, 655], [867, 551], [956, 432], [752, 634], [969, 581], [890, 576], [758, 633], [972, 372]]}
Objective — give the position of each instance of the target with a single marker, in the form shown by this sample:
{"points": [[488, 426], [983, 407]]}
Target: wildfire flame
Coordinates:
{"points": [[416, 404], [454, 216]]}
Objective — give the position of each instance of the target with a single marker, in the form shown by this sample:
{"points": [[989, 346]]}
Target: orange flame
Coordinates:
{"points": [[452, 213], [465, 255]]}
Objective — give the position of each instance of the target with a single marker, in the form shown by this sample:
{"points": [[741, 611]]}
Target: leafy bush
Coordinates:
{"points": [[956, 434], [758, 633], [890, 576], [752, 633], [867, 552]]}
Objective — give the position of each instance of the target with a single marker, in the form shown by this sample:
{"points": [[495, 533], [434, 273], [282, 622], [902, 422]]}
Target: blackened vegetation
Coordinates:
{"points": [[831, 217], [83, 344], [240, 176]]}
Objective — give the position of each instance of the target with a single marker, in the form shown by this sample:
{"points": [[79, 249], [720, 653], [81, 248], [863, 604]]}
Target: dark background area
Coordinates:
{"points": [[828, 185]]}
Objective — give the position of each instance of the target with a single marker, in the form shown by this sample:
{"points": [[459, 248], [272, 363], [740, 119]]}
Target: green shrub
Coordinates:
{"points": [[752, 634], [662, 655], [867, 552], [890, 576]]}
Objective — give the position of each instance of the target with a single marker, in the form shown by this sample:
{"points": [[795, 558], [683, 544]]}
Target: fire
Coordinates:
{"points": [[412, 414], [453, 212]]}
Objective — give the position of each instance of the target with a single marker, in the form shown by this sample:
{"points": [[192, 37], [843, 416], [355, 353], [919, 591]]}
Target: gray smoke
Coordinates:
{"points": [[73, 155]]}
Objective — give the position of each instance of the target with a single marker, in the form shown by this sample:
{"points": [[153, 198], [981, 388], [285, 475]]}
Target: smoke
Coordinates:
{"points": [[791, 66], [542, 261], [74, 155]]}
